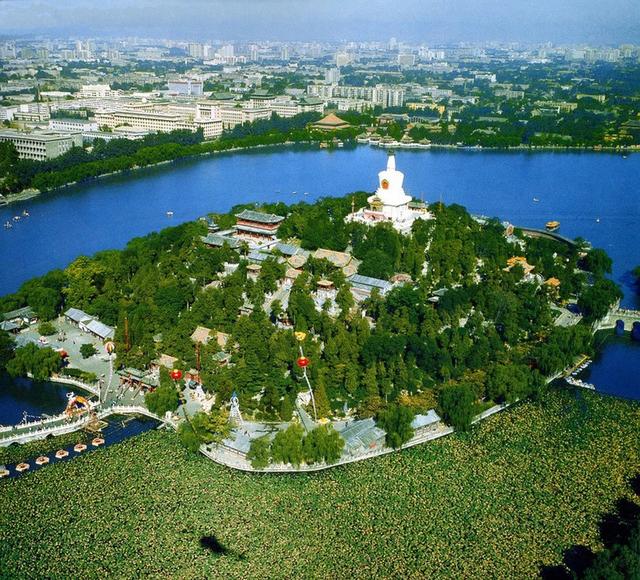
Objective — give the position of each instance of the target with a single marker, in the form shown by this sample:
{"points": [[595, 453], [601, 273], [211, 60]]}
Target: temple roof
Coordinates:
{"points": [[258, 216], [332, 121]]}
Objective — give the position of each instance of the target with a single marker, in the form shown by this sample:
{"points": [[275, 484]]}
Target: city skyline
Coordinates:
{"points": [[436, 21]]}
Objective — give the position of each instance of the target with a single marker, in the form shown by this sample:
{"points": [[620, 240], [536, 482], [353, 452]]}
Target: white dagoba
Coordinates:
{"points": [[390, 193], [390, 203]]}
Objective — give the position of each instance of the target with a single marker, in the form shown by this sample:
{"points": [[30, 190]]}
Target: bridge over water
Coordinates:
{"points": [[627, 316], [113, 399]]}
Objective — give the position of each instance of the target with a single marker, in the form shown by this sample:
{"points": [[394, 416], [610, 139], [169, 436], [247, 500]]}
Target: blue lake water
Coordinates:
{"points": [[21, 395], [593, 195]]}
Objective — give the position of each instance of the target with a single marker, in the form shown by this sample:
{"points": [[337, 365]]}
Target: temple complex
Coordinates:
{"points": [[390, 203]]}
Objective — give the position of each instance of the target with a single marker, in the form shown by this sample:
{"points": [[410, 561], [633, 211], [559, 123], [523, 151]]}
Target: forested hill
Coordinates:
{"points": [[464, 327]]}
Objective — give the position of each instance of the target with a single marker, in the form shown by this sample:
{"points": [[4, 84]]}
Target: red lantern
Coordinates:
{"points": [[176, 374], [303, 361], [64, 354]]}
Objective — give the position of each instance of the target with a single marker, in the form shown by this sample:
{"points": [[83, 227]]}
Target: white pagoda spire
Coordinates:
{"points": [[390, 191]]}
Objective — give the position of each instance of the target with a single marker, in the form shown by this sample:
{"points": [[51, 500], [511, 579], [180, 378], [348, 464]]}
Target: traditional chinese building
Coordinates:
{"points": [[330, 123], [260, 228]]}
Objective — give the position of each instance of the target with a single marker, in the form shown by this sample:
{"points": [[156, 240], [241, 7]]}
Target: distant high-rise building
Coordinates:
{"points": [[284, 53], [393, 43], [406, 59], [253, 53], [186, 87], [226, 51], [196, 50], [332, 76], [343, 59]]}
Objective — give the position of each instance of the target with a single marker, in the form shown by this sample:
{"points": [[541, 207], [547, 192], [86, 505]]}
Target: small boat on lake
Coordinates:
{"points": [[552, 226], [536, 200], [169, 214], [8, 225]]}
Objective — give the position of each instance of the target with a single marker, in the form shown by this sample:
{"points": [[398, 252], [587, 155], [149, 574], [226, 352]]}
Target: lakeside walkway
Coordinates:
{"points": [[233, 459]]}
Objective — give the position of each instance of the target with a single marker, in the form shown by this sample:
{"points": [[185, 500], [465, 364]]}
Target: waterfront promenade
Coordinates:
{"points": [[233, 459]]}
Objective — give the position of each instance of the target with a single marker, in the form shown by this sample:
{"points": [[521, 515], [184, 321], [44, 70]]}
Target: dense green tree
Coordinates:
{"points": [[6, 349], [396, 421], [596, 300], [457, 405], [165, 397], [41, 363], [323, 408], [259, 453], [204, 428], [598, 262], [286, 446], [323, 444]]}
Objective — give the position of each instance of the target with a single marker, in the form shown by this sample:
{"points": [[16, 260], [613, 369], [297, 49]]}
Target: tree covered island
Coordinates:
{"points": [[315, 333]]}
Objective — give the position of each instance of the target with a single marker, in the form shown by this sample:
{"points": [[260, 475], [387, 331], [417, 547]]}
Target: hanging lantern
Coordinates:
{"points": [[64, 354], [303, 362], [176, 374], [300, 336], [109, 347]]}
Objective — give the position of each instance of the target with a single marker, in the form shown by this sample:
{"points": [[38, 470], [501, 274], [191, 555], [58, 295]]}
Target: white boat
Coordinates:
{"points": [[169, 214], [536, 200]]}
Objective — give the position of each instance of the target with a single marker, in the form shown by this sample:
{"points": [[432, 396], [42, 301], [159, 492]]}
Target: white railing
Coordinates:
{"points": [[93, 389], [42, 433]]}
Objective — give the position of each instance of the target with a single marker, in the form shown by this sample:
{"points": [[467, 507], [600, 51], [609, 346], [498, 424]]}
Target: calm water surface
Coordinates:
{"points": [[593, 195]]}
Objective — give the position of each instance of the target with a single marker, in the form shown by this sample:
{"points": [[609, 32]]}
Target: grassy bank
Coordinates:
{"points": [[499, 502]]}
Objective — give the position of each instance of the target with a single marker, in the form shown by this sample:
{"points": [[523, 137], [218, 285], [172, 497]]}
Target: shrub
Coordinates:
{"points": [[87, 350], [46, 329]]}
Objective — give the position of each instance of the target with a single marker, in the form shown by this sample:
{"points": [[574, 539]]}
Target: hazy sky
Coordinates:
{"points": [[589, 21]]}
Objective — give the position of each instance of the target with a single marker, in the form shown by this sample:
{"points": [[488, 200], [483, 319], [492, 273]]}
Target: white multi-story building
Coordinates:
{"points": [[42, 145], [232, 116], [160, 121], [189, 87], [96, 92], [332, 76], [343, 59], [382, 95], [72, 125], [6, 113], [227, 51], [406, 59]]}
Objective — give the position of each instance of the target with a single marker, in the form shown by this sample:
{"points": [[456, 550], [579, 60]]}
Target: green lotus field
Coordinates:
{"points": [[499, 502]]}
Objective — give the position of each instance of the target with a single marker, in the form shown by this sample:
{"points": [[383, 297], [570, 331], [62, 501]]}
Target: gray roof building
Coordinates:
{"points": [[76, 315], [368, 284], [218, 241], [362, 436]]}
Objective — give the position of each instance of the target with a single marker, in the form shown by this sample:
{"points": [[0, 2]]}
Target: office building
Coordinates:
{"points": [[41, 146]]}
